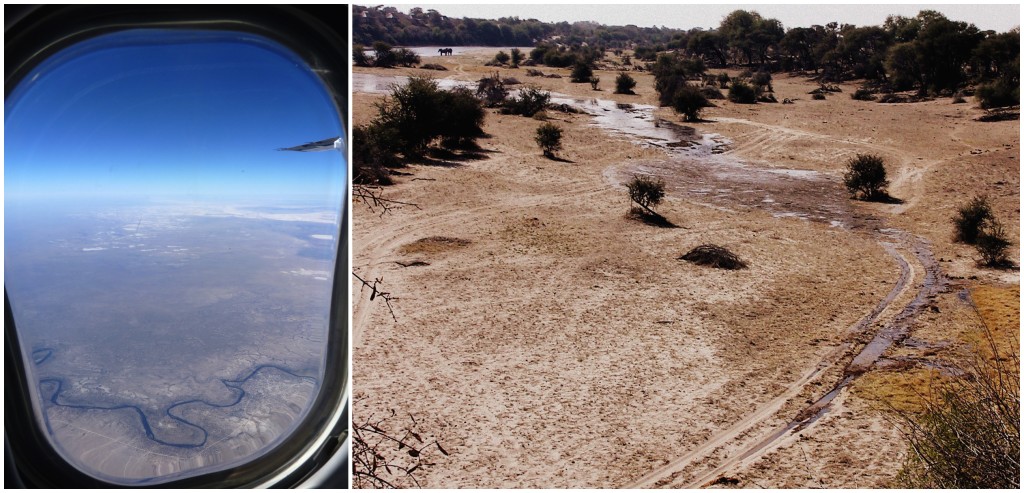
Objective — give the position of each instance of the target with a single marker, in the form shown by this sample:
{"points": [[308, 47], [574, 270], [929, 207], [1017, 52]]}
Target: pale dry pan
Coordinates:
{"points": [[550, 341]]}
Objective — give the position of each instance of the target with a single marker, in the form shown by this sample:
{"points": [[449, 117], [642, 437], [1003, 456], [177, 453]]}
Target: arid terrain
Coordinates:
{"points": [[548, 340]]}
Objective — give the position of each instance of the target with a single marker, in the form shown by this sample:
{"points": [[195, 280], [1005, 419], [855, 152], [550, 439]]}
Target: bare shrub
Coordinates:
{"points": [[491, 90], [433, 66], [714, 256], [386, 458]]}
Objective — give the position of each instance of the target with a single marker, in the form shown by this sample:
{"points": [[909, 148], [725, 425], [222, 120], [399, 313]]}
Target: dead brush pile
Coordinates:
{"points": [[714, 256]]}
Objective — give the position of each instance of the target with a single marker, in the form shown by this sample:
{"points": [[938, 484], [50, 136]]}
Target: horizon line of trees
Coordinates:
{"points": [[928, 52]]}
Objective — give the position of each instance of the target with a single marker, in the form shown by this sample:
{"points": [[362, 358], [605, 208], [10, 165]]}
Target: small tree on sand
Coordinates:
{"points": [[646, 192], [865, 177], [970, 218], [549, 138]]}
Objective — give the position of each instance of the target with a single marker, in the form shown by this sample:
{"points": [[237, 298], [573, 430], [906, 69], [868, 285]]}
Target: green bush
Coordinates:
{"points": [[528, 102], [992, 243], [359, 56], [406, 57], [689, 101], [624, 84], [865, 177], [581, 72], [372, 154], [502, 57], [723, 80], [1002, 92], [419, 113], [549, 138], [711, 92], [970, 218], [516, 57], [742, 93], [462, 118], [646, 192], [492, 90]]}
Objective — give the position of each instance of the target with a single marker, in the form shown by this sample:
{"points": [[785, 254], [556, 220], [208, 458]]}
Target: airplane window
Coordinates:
{"points": [[168, 258]]}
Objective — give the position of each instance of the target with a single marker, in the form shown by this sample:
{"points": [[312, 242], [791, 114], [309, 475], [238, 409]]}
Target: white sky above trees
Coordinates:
{"points": [[1001, 17]]}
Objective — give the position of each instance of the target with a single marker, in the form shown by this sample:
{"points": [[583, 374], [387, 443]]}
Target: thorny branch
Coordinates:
{"points": [[377, 293], [373, 198], [372, 469]]}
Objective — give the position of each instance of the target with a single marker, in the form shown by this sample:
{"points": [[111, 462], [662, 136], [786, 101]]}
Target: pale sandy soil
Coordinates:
{"points": [[562, 344]]}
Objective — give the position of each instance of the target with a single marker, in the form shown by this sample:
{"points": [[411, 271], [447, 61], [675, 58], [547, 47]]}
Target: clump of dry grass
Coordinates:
{"points": [[714, 256]]}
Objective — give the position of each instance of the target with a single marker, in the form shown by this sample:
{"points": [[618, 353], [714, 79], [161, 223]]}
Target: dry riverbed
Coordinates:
{"points": [[548, 340]]}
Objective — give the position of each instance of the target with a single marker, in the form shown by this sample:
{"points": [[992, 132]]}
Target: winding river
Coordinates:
{"points": [[54, 386]]}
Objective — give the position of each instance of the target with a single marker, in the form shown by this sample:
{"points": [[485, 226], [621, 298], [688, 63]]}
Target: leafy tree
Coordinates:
{"points": [[865, 177], [384, 56], [582, 72], [670, 73], [549, 138], [646, 192], [709, 45], [689, 101], [624, 84]]}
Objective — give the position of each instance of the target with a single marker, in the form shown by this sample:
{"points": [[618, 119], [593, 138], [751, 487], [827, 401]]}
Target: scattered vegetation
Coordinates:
{"points": [[865, 177], [492, 90], [714, 256], [671, 73], [549, 138], [646, 192], [624, 84]]}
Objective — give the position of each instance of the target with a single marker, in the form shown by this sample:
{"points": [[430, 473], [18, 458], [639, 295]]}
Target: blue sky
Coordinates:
{"points": [[170, 113]]}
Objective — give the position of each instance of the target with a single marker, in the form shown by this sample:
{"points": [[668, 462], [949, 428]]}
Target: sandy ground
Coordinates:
{"points": [[548, 340]]}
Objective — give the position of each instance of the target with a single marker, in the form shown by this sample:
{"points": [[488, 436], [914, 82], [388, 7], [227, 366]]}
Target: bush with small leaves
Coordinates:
{"points": [[1002, 92], [594, 81], [549, 138], [970, 218], [689, 100], [762, 81], [992, 243], [865, 177], [491, 90], [528, 102], [582, 72], [742, 93], [724, 80], [646, 192], [714, 256], [711, 92], [501, 57], [406, 57], [624, 84]]}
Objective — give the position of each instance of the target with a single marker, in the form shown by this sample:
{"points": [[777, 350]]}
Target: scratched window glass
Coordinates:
{"points": [[170, 237]]}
